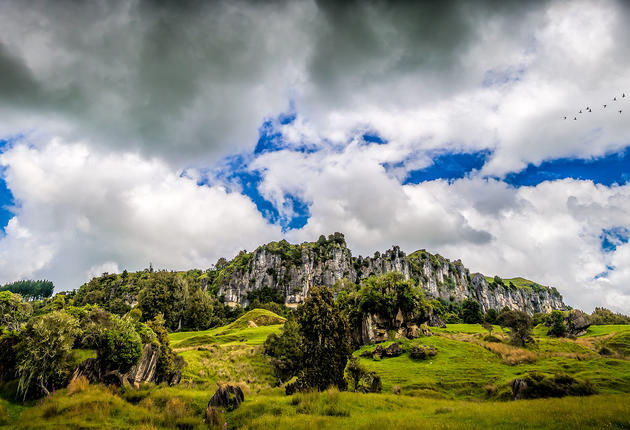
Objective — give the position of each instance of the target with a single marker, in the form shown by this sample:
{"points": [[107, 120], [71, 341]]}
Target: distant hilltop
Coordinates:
{"points": [[294, 269]]}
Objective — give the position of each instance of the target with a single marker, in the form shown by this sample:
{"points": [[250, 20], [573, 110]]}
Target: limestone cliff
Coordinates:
{"points": [[294, 269]]}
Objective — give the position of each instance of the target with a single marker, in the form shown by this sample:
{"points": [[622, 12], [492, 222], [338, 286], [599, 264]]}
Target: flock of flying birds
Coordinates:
{"points": [[589, 110]]}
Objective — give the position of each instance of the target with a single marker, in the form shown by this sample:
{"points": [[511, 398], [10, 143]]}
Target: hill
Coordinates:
{"points": [[465, 385], [292, 270]]}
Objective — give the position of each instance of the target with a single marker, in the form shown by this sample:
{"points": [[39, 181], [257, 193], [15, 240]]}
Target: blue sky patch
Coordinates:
{"points": [[614, 237], [449, 166], [606, 170], [6, 197], [373, 137], [237, 172]]}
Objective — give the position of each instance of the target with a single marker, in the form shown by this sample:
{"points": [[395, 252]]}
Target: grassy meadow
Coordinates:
{"points": [[465, 386]]}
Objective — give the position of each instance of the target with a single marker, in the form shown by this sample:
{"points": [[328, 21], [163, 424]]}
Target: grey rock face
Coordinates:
{"points": [[294, 269]]}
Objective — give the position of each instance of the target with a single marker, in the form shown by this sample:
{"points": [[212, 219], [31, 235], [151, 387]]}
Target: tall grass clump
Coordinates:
{"points": [[511, 355], [78, 385]]}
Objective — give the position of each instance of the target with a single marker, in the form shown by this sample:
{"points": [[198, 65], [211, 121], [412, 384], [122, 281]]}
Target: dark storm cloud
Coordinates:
{"points": [[190, 79]]}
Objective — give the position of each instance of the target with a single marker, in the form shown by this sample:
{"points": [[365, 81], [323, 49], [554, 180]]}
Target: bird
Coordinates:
{"points": [[580, 110], [614, 99], [619, 111], [574, 119], [565, 117], [623, 95], [588, 108], [605, 106]]}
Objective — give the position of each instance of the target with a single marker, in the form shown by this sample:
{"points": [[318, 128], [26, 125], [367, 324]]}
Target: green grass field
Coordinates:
{"points": [[465, 386]]}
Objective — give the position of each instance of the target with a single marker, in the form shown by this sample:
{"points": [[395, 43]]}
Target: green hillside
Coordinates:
{"points": [[466, 385]]}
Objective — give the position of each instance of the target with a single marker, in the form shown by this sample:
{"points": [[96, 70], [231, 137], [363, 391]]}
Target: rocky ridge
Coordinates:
{"points": [[294, 269]]}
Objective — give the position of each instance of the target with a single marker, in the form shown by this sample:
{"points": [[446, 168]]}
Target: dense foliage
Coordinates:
{"points": [[43, 350], [30, 289], [286, 350], [556, 322], [13, 312], [520, 325], [182, 298], [602, 316], [471, 312]]}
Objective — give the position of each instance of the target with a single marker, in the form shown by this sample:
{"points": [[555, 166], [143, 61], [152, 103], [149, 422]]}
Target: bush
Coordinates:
{"points": [[422, 352], [556, 320], [491, 316], [520, 325], [285, 350], [43, 351], [541, 385], [471, 312], [121, 347]]}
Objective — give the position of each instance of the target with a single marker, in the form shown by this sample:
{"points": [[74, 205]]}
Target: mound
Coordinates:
{"points": [[258, 317]]}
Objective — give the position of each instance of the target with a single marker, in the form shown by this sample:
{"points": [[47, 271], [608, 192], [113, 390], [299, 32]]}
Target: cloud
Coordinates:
{"points": [[81, 211], [114, 100]]}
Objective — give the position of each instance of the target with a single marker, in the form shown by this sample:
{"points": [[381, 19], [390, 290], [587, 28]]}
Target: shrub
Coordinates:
{"points": [[491, 316], [285, 350], [121, 347], [520, 325], [213, 418], [43, 351], [471, 312], [174, 410], [422, 352], [541, 385], [355, 371], [556, 320]]}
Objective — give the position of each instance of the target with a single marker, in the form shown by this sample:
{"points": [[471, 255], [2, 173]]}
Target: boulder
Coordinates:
{"points": [[519, 389], [436, 321], [393, 350], [379, 351], [422, 352], [413, 331], [577, 323], [425, 330], [144, 370], [227, 396]]}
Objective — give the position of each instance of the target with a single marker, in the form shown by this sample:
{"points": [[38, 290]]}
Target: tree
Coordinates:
{"points": [[200, 311], [491, 316], [164, 293], [606, 316], [12, 311], [325, 334], [471, 312], [355, 371], [556, 320], [168, 363], [520, 325], [43, 350], [488, 327], [386, 294], [121, 346], [286, 350], [30, 289]]}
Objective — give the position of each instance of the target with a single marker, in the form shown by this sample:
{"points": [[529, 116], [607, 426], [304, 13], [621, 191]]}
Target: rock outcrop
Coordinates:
{"points": [[576, 322], [227, 396], [143, 371], [294, 269]]}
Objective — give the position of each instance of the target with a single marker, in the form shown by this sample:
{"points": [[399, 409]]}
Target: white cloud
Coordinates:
{"points": [[82, 212]]}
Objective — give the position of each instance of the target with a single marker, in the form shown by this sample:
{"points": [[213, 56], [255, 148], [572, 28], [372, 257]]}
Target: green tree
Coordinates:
{"points": [[520, 325], [43, 350], [200, 313], [471, 312], [168, 363], [325, 333], [355, 371], [491, 316], [286, 350], [385, 294], [121, 346], [164, 293], [12, 311], [606, 316], [556, 320], [30, 289]]}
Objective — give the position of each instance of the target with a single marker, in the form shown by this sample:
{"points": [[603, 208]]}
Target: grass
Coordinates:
{"points": [[367, 411], [464, 386]]}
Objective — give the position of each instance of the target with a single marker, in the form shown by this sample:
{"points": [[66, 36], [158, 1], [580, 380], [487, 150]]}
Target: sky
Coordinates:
{"points": [[143, 132]]}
